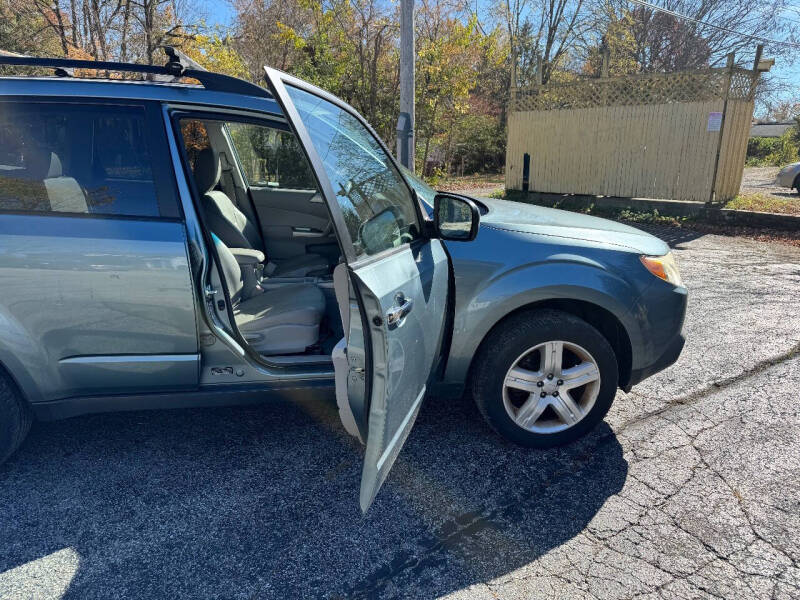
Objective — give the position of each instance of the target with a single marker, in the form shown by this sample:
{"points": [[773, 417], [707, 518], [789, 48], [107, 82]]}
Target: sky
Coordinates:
{"points": [[217, 11], [221, 11]]}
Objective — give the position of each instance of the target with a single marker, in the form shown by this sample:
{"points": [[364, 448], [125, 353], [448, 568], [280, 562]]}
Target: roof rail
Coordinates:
{"points": [[178, 65]]}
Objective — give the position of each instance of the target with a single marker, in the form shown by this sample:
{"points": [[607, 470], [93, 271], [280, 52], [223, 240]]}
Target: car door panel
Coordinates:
{"points": [[401, 288], [402, 351], [111, 302], [291, 221]]}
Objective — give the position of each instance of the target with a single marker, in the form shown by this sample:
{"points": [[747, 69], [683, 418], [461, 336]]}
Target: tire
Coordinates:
{"points": [[15, 417], [522, 341]]}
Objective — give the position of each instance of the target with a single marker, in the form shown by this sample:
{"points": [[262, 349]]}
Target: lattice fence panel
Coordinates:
{"points": [[688, 86]]}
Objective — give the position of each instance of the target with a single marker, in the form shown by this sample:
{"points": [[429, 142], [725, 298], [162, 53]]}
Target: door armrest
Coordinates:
{"points": [[247, 256]]}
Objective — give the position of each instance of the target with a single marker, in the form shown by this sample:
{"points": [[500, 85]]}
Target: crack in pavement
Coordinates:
{"points": [[714, 386]]}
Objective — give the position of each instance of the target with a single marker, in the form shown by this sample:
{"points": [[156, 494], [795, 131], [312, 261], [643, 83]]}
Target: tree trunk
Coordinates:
{"points": [[73, 15], [123, 50], [61, 31]]}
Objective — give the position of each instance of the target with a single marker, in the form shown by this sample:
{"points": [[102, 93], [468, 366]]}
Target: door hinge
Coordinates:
{"points": [[211, 291]]}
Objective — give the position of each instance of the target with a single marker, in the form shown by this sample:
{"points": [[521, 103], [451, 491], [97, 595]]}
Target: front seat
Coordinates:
{"points": [[61, 193], [233, 227], [281, 320]]}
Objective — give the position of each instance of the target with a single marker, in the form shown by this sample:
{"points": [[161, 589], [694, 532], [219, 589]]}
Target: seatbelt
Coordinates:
{"points": [[228, 185], [234, 192]]}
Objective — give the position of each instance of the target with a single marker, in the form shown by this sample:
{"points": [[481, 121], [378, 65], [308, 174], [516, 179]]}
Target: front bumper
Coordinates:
{"points": [[668, 357], [786, 179], [662, 310]]}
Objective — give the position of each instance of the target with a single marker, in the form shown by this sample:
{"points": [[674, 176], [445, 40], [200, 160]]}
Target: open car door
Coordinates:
{"points": [[397, 275]]}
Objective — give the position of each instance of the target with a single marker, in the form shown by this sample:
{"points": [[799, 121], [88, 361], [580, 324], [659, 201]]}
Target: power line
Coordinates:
{"points": [[678, 15]]}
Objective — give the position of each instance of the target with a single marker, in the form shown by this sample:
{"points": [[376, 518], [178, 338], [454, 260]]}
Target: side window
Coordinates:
{"points": [[271, 157], [81, 159], [195, 139], [376, 202]]}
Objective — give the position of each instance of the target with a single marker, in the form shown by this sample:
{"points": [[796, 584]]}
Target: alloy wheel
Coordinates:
{"points": [[551, 387]]}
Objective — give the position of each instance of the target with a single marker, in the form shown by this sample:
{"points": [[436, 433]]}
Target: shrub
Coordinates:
{"points": [[759, 148], [774, 152]]}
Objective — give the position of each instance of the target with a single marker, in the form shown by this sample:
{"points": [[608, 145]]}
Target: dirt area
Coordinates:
{"points": [[760, 193], [761, 180], [479, 186]]}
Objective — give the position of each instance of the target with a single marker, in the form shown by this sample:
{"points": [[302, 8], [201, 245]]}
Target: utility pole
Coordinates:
{"points": [[405, 121]]}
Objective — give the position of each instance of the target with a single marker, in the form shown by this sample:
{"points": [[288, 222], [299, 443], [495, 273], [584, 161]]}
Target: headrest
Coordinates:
{"points": [[207, 170], [41, 163], [55, 169]]}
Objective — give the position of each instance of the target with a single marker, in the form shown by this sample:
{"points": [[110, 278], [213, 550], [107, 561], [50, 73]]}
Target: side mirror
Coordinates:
{"points": [[381, 232], [455, 218]]}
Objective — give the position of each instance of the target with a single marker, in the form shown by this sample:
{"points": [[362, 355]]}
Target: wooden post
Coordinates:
{"points": [[759, 52], [606, 52], [513, 65], [727, 82]]}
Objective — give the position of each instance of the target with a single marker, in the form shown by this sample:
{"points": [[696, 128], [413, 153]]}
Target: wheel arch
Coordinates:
{"points": [[5, 371], [602, 319]]}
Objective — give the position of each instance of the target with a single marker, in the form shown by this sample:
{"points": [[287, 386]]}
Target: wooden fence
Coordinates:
{"points": [[679, 136]]}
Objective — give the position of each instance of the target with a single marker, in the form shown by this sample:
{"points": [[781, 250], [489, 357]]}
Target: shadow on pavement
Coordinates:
{"points": [[263, 502]]}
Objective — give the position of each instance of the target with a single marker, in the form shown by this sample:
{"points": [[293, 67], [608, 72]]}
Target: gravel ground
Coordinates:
{"points": [[690, 489], [761, 180]]}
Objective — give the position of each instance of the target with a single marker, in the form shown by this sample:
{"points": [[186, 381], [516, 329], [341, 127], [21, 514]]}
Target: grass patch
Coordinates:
{"points": [[765, 203], [450, 182]]}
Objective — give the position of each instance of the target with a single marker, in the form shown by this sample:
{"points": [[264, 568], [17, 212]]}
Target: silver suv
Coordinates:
{"points": [[165, 244]]}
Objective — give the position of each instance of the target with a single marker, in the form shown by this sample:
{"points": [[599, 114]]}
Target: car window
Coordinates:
{"points": [[271, 157], [195, 139], [377, 204], [76, 159]]}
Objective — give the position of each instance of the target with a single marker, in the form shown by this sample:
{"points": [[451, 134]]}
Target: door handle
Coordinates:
{"points": [[400, 309], [306, 232]]}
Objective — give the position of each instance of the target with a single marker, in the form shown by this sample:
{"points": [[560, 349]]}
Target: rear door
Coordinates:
{"points": [[400, 277], [93, 257]]}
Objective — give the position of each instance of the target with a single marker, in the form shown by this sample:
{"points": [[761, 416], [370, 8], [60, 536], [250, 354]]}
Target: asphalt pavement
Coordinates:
{"points": [[689, 489]]}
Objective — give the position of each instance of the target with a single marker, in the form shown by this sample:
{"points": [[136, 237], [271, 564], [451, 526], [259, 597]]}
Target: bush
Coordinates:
{"points": [[774, 152], [759, 148]]}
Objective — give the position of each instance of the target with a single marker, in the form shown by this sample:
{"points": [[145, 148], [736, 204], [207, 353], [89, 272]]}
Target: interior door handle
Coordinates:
{"points": [[306, 232], [402, 306]]}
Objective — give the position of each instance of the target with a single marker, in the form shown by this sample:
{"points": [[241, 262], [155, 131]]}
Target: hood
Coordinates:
{"points": [[529, 218]]}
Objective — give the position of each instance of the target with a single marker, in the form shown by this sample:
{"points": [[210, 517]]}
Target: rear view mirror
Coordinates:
{"points": [[456, 218]]}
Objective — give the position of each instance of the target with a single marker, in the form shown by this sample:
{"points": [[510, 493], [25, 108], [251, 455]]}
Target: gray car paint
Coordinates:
{"points": [[526, 254], [95, 305]]}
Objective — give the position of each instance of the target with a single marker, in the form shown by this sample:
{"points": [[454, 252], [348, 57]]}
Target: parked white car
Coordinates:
{"points": [[789, 176]]}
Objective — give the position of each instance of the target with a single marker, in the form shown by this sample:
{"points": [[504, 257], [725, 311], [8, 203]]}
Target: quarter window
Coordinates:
{"points": [[76, 159]]}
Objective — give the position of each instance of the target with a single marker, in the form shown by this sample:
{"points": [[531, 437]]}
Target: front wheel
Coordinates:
{"points": [[544, 378], [15, 417]]}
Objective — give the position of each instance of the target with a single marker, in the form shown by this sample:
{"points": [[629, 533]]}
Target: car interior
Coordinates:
{"points": [[276, 246]]}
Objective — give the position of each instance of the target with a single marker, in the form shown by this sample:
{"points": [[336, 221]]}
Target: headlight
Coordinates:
{"points": [[663, 267]]}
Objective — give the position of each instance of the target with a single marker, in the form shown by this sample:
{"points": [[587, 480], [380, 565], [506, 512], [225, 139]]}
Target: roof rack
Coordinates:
{"points": [[178, 65]]}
